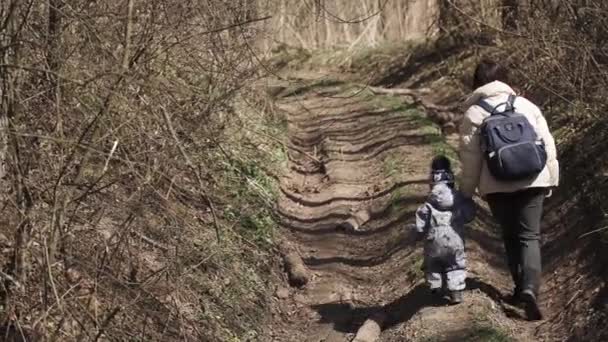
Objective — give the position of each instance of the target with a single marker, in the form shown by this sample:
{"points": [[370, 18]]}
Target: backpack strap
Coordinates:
{"points": [[509, 105], [486, 106]]}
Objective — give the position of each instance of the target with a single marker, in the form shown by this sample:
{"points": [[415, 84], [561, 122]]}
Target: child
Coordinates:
{"points": [[440, 222]]}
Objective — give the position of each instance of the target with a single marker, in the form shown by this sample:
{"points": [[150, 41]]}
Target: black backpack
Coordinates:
{"points": [[510, 143]]}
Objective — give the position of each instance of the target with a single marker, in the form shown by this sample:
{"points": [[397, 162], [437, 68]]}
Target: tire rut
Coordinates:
{"points": [[353, 270]]}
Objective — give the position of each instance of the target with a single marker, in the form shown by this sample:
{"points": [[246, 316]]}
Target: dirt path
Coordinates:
{"points": [[346, 202]]}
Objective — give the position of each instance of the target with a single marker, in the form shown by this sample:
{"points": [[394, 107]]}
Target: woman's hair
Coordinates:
{"points": [[488, 71]]}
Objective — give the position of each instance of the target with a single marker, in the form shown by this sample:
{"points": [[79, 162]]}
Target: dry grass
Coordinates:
{"points": [[134, 203], [342, 23]]}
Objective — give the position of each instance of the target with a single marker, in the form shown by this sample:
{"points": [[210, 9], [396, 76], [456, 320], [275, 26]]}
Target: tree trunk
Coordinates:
{"points": [[9, 36], [8, 10], [53, 58]]}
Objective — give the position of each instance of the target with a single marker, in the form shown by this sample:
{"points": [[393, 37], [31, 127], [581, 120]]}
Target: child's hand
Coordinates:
{"points": [[469, 210], [420, 236], [417, 235]]}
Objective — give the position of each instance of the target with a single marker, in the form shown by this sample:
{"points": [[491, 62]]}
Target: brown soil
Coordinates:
{"points": [[337, 179]]}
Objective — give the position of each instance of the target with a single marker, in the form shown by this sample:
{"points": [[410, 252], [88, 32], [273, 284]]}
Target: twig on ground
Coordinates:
{"points": [[593, 232], [150, 241], [308, 155], [10, 278], [416, 94], [105, 167], [573, 298], [50, 275]]}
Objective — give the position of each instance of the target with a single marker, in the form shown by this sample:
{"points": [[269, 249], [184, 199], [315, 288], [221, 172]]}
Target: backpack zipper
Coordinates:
{"points": [[500, 150]]}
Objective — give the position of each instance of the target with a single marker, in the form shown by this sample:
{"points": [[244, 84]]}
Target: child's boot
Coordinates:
{"points": [[438, 291], [456, 297], [457, 281], [435, 283]]}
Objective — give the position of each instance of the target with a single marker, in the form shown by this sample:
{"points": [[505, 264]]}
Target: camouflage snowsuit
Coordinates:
{"points": [[441, 221]]}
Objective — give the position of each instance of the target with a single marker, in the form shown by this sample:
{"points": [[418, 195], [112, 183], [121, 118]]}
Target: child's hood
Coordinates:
{"points": [[442, 197]]}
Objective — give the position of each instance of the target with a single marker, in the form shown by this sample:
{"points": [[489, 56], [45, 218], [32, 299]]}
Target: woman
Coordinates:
{"points": [[516, 205]]}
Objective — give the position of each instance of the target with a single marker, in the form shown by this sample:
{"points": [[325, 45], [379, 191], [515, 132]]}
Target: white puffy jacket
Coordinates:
{"points": [[475, 173]]}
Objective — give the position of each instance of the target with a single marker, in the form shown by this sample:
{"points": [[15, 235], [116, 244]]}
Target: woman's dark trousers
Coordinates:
{"points": [[519, 215]]}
